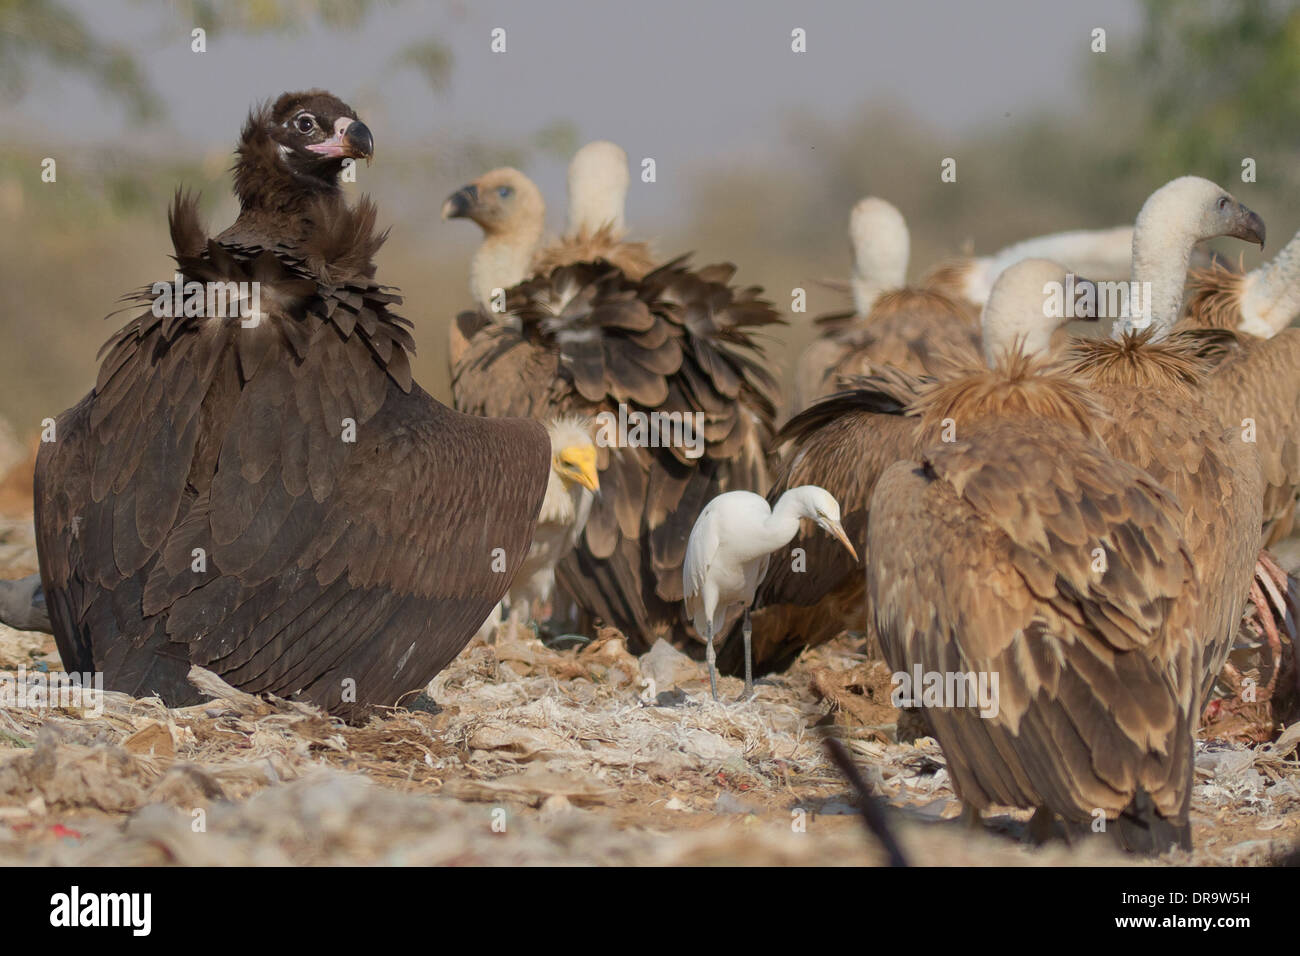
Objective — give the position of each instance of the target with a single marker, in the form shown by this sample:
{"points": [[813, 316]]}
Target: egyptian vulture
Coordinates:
{"points": [[669, 366], [1153, 388], [1034, 596], [272, 497], [570, 488]]}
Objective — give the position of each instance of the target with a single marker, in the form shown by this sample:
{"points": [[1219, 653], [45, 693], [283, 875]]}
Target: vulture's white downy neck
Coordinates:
{"points": [[598, 181], [1018, 315], [1095, 253], [881, 247], [503, 260], [1270, 296], [1174, 218]]}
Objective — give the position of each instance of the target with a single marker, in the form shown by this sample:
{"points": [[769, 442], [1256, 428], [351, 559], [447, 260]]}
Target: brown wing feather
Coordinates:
{"points": [[1153, 394], [984, 562], [583, 338], [324, 559], [1252, 384]]}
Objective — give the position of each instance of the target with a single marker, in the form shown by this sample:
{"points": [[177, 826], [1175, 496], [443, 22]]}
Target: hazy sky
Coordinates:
{"points": [[685, 81]]}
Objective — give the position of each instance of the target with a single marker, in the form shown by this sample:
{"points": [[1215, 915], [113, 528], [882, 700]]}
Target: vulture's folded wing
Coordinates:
{"points": [[1059, 572]]}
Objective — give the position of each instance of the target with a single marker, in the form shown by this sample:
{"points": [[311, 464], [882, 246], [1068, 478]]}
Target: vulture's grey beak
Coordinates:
{"points": [[1087, 302], [350, 139], [460, 202], [1248, 225]]}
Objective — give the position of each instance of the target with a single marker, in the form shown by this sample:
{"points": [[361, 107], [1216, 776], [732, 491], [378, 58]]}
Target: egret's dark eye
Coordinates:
{"points": [[505, 192], [1223, 202], [305, 122]]}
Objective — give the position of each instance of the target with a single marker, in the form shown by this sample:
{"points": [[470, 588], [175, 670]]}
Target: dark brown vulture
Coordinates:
{"points": [[669, 363], [273, 498]]}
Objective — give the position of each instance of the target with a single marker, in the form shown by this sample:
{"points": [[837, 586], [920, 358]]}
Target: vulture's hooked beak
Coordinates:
{"points": [[1087, 308], [836, 531], [351, 138], [578, 464], [460, 202], [1248, 225]]}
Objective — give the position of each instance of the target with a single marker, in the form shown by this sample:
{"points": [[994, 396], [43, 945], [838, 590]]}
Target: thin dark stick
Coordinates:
{"points": [[872, 813]]}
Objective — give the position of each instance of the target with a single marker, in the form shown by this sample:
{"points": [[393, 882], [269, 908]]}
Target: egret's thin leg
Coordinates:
{"points": [[712, 659], [749, 657]]}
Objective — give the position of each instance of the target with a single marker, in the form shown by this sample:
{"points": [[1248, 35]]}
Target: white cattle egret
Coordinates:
{"points": [[728, 552]]}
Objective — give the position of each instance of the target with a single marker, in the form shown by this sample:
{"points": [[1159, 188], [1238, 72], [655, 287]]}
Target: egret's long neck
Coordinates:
{"points": [[1270, 296], [503, 260], [1162, 249], [780, 527]]}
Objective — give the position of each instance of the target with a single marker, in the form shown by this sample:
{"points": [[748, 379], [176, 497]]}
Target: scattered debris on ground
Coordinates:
{"points": [[522, 754]]}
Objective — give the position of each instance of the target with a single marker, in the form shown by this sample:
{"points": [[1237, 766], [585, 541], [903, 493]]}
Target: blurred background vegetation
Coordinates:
{"points": [[1203, 86]]}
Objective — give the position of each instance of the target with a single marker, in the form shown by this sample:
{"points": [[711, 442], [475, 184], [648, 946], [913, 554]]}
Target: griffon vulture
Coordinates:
{"points": [[1034, 596], [892, 324], [598, 181], [1153, 387]]}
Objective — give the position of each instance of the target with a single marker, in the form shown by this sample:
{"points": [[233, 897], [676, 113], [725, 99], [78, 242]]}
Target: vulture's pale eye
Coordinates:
{"points": [[305, 122], [505, 192]]}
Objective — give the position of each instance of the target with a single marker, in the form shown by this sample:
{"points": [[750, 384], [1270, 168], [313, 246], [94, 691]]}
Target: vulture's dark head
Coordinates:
{"points": [[302, 141]]}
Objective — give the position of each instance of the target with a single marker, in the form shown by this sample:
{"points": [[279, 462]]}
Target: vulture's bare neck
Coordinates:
{"points": [[276, 205], [502, 261]]}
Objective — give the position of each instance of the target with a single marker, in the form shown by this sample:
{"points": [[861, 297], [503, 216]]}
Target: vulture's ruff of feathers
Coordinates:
{"points": [[324, 562]]}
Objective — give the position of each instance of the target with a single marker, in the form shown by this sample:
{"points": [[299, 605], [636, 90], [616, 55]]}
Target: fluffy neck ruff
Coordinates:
{"points": [[1214, 299], [1018, 386], [1137, 359]]}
